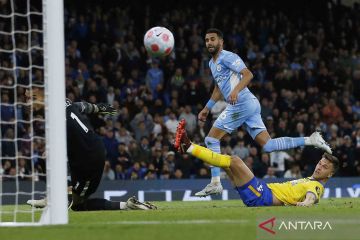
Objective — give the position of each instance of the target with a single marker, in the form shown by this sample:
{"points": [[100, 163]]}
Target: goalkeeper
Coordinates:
{"points": [[86, 156], [254, 192]]}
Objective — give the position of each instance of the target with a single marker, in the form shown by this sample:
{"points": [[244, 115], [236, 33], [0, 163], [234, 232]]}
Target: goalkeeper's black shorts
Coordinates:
{"points": [[86, 176]]}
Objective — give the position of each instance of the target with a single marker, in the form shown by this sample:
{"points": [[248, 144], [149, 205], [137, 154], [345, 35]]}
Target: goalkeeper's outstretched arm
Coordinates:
{"points": [[89, 108]]}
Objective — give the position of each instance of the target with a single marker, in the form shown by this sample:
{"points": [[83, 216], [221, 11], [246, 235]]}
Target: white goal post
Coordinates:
{"points": [[56, 211]]}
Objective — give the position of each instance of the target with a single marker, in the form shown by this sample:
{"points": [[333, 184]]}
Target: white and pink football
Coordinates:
{"points": [[159, 41]]}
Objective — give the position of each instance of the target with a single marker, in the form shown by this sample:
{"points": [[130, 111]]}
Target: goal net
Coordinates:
{"points": [[32, 131]]}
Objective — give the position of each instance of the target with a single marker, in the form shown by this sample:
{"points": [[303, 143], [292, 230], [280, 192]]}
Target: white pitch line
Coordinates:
{"points": [[177, 222], [206, 221]]}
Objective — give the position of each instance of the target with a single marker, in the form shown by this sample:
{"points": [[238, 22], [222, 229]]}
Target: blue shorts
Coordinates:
{"points": [[247, 113], [255, 193]]}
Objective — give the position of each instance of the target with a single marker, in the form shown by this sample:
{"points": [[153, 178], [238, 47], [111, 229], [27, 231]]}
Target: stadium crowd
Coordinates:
{"points": [[306, 66]]}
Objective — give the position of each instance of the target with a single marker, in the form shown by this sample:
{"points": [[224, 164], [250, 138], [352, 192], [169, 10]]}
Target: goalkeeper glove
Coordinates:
{"points": [[106, 109]]}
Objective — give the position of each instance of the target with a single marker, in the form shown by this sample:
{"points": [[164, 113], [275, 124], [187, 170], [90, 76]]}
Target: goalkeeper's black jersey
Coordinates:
{"points": [[84, 146]]}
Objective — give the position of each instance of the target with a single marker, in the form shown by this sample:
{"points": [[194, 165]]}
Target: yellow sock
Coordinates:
{"points": [[208, 156]]}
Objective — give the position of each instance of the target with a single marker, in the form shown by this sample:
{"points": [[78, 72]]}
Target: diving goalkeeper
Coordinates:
{"points": [[86, 155]]}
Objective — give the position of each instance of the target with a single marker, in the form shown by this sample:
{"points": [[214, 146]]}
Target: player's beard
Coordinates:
{"points": [[215, 51]]}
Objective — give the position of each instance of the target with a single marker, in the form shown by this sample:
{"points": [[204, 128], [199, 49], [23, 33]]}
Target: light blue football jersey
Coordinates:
{"points": [[226, 72]]}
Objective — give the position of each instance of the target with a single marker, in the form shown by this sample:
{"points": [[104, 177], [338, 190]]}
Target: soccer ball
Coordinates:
{"points": [[159, 41]]}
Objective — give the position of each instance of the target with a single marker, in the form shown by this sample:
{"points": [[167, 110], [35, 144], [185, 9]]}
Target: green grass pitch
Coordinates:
{"points": [[194, 220]]}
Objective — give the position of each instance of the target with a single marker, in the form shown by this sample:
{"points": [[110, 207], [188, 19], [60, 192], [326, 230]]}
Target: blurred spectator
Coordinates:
{"points": [[145, 150], [159, 125], [8, 144], [24, 169], [171, 123], [293, 172], [119, 172], [6, 167], [266, 110], [195, 92], [7, 111], [141, 131], [177, 174], [155, 79], [347, 153], [108, 173], [143, 118], [200, 132], [123, 157], [10, 174], [124, 136], [158, 161], [331, 112], [203, 174], [185, 164], [165, 173], [170, 161], [278, 159], [151, 173], [177, 80], [240, 149], [299, 132], [253, 153], [134, 172], [260, 169], [131, 88], [190, 118], [110, 96], [111, 145], [270, 173]]}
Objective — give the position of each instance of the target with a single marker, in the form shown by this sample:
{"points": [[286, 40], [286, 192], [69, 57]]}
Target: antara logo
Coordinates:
{"points": [[305, 225], [270, 225]]}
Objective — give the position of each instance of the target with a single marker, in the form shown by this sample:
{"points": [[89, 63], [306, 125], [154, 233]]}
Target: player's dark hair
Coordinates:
{"points": [[215, 30], [334, 160]]}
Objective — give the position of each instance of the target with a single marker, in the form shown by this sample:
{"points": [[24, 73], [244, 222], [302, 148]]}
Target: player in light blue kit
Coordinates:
{"points": [[231, 79]]}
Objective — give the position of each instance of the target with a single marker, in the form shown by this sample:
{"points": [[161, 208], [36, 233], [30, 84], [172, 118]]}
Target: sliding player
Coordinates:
{"points": [[254, 192]]}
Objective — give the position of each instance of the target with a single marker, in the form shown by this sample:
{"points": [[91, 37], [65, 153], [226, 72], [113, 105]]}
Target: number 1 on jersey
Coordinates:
{"points": [[82, 125]]}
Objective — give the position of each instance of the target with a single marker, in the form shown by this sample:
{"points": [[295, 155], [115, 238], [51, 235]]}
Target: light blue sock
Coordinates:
{"points": [[283, 143], [214, 145], [215, 171]]}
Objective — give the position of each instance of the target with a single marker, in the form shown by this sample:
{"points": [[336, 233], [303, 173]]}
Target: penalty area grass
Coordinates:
{"points": [[186, 220]]}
